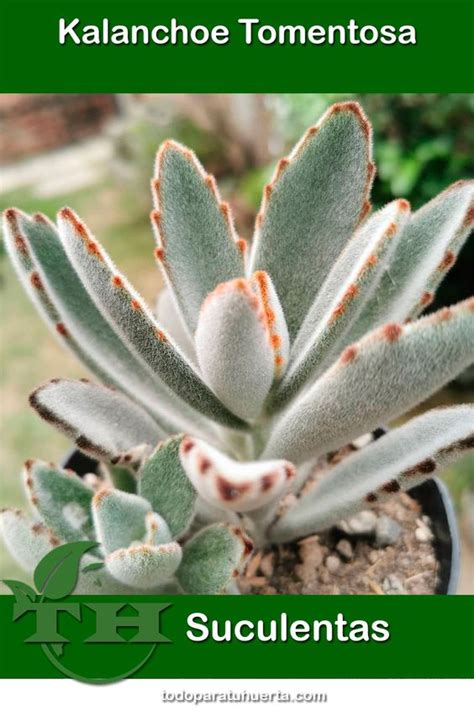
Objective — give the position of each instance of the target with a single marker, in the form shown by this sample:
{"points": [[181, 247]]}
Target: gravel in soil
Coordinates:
{"points": [[385, 551]]}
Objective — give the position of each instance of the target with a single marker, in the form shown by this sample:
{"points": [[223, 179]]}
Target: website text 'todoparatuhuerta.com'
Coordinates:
{"points": [[244, 696]]}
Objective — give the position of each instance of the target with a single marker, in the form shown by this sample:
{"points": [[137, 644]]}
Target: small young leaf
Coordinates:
{"points": [[61, 498], [56, 574], [157, 530], [163, 482], [119, 518], [234, 349], [211, 559], [143, 566], [27, 541]]}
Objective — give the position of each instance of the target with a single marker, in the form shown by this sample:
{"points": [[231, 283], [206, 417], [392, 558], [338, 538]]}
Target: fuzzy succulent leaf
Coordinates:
{"points": [[341, 299], [463, 207], [281, 357], [228, 484], [17, 226], [197, 244], [143, 566], [208, 513], [101, 421], [122, 477], [167, 313], [38, 253], [98, 581], [401, 459], [157, 530], [375, 380], [212, 558], [48, 277], [274, 320], [119, 518], [61, 498], [126, 310], [233, 348], [421, 259], [27, 541], [163, 482], [312, 206]]}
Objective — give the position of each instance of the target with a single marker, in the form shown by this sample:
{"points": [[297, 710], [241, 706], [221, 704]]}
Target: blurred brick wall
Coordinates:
{"points": [[33, 123]]}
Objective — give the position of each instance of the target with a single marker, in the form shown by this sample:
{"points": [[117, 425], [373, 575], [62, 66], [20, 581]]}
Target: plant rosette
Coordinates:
{"points": [[231, 420]]}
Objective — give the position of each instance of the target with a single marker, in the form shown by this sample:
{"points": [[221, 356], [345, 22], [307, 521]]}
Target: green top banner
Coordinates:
{"points": [[172, 46]]}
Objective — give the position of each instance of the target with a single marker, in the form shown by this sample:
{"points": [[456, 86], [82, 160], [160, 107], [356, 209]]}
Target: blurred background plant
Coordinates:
{"points": [[96, 152]]}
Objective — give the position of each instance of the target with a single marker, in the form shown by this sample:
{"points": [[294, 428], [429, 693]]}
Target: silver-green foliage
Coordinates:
{"points": [[259, 362], [138, 549]]}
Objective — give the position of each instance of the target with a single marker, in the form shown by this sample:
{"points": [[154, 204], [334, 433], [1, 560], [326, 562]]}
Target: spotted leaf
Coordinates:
{"points": [[197, 244], [143, 566], [375, 380], [316, 199], [224, 482], [61, 498], [401, 459], [234, 350], [27, 541], [101, 421]]}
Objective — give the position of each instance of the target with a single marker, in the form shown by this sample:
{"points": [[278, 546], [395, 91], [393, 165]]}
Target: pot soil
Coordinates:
{"points": [[338, 562], [406, 545]]}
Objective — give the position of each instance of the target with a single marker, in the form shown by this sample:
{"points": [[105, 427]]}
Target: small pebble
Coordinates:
{"points": [[373, 556], [253, 565], [423, 534], [387, 532], [308, 541], [312, 555], [269, 590], [345, 549], [305, 573], [257, 581], [393, 586], [93, 481], [333, 563], [363, 440], [266, 566], [362, 523], [324, 575]]}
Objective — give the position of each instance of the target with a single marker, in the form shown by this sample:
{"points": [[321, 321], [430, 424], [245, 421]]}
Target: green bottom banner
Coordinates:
{"points": [[108, 638]]}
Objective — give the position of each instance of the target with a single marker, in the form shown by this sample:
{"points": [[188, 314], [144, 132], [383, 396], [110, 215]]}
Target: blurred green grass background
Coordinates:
{"points": [[422, 143]]}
